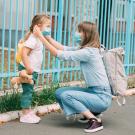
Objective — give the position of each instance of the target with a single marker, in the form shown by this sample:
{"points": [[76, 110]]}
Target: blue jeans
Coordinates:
{"points": [[74, 100]]}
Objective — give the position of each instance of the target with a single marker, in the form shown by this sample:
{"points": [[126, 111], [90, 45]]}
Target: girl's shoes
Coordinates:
{"points": [[31, 118]]}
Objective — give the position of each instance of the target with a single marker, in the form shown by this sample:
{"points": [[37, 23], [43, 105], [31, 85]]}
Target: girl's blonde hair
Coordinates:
{"points": [[37, 19], [91, 36]]}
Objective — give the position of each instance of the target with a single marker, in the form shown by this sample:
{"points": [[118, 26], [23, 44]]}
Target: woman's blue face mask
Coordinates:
{"points": [[47, 31], [77, 37]]}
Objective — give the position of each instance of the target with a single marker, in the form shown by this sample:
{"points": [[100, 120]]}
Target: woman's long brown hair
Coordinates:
{"points": [[91, 36]]}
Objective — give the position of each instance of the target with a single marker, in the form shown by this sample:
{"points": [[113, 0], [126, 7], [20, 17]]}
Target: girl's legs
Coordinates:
{"points": [[28, 116], [26, 98]]}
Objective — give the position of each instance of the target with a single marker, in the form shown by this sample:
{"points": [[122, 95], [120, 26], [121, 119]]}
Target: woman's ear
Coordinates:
{"points": [[83, 35]]}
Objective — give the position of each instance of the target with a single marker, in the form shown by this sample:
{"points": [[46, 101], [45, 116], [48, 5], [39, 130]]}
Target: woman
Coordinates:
{"points": [[96, 97]]}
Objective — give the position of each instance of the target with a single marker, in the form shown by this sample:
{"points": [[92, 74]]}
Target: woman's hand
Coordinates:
{"points": [[37, 32], [47, 44]]}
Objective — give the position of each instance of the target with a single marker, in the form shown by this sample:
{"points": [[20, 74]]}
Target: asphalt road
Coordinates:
{"points": [[117, 121]]}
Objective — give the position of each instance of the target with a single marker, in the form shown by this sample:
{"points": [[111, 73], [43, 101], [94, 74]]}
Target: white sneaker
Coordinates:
{"points": [[72, 117], [30, 118]]}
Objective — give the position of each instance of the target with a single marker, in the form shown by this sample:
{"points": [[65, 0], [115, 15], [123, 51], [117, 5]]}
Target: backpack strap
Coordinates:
{"points": [[120, 99], [122, 102]]}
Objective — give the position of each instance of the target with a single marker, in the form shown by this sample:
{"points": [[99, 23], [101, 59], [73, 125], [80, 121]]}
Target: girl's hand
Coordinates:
{"points": [[29, 71]]}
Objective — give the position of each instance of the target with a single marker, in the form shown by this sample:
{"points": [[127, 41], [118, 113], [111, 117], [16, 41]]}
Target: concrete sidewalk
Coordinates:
{"points": [[117, 121]]}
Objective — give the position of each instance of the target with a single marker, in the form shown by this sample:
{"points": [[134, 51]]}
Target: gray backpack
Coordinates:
{"points": [[113, 61]]}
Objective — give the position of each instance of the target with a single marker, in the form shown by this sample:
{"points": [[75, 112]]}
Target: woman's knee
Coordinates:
{"points": [[61, 90], [105, 107], [58, 93]]}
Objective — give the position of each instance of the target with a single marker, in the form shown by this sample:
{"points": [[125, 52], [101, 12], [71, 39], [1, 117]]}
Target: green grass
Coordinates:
{"points": [[11, 102], [46, 96]]}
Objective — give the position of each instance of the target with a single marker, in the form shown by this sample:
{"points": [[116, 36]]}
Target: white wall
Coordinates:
{"points": [[20, 12]]}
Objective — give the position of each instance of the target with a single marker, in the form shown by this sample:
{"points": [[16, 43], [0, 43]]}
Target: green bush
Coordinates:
{"points": [[46, 96], [11, 102]]}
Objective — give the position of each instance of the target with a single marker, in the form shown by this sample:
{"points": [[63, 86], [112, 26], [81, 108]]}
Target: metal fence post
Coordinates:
{"points": [[3, 44], [128, 34], [59, 35]]}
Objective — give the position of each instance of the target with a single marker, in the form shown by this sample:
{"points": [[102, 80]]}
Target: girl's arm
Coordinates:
{"points": [[54, 43], [25, 59]]}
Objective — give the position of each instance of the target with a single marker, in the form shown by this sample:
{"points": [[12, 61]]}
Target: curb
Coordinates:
{"points": [[39, 110]]}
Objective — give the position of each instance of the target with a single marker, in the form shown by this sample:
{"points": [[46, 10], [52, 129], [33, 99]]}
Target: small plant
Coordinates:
{"points": [[11, 102], [46, 96]]}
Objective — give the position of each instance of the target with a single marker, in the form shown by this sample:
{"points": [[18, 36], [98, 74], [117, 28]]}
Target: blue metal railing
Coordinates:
{"points": [[115, 21]]}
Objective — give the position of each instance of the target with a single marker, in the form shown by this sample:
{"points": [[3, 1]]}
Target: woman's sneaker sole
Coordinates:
{"points": [[93, 130]]}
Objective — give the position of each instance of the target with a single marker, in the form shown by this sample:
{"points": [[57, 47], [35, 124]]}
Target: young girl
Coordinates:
{"points": [[32, 54], [24, 77], [96, 97]]}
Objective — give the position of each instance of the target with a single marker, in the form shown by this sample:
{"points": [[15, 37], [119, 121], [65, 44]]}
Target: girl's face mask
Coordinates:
{"points": [[46, 31], [77, 37]]}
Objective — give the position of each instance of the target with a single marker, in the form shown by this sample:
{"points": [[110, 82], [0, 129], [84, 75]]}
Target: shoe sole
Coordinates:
{"points": [[94, 130], [29, 122]]}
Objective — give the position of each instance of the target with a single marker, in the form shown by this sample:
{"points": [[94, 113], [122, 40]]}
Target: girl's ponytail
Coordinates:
{"points": [[37, 19], [25, 37]]}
